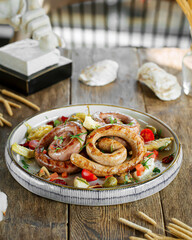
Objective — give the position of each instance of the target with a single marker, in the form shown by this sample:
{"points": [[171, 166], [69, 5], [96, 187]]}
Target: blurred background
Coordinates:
{"points": [[114, 23]]}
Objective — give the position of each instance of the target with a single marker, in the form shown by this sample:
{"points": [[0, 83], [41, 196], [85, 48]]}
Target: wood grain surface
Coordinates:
{"points": [[32, 217]]}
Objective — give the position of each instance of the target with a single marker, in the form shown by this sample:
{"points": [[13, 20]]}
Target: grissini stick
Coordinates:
{"points": [[8, 108], [1, 123], [148, 237], [5, 121], [135, 238], [155, 236], [20, 99], [12, 104], [181, 224], [134, 225], [147, 218], [177, 233], [183, 230]]}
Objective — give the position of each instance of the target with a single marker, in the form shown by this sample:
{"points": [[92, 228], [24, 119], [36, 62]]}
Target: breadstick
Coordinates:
{"points": [[177, 233], [190, 3], [1, 123], [181, 224], [15, 105], [168, 238], [136, 238], [181, 229], [147, 218], [133, 225], [20, 99], [148, 237], [8, 108], [5, 121], [12, 104], [155, 236]]}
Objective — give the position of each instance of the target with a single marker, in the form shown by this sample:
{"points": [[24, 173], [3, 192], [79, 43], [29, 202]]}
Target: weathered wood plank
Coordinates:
{"points": [[101, 222], [176, 198], [30, 216]]}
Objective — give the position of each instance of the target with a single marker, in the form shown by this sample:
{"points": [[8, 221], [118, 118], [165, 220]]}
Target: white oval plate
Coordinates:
{"points": [[91, 197]]}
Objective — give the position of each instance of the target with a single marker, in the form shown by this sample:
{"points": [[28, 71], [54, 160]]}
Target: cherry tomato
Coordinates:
{"points": [[156, 152], [26, 144], [50, 123], [140, 168], [64, 118], [147, 135], [88, 175], [33, 144]]}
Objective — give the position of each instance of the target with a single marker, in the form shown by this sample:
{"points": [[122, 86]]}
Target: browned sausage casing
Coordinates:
{"points": [[107, 117], [121, 131], [60, 163]]}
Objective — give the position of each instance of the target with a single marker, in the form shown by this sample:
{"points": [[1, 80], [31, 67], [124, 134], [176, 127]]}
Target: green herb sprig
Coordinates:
{"points": [[61, 138], [144, 163], [57, 149], [83, 146], [156, 170], [77, 136], [57, 123], [112, 120], [25, 165]]}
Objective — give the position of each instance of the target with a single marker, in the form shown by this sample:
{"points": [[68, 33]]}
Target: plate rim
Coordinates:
{"points": [[178, 150]]}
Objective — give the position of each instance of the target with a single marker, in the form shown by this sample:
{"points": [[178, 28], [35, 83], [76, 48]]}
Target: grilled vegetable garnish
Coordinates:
{"points": [[38, 133], [23, 151], [159, 144]]}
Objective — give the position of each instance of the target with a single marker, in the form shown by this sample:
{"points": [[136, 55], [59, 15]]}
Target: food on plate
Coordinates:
{"points": [[44, 173], [80, 183], [90, 124], [39, 132], [113, 117], [25, 152], [147, 135], [89, 176], [159, 144], [110, 182], [144, 170], [105, 149]]}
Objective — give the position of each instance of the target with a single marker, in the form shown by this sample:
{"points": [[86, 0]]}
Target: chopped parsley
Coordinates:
{"points": [[61, 138], [111, 148], [156, 170], [25, 165], [163, 147], [134, 180], [77, 136], [158, 135], [57, 123], [144, 163], [131, 123], [126, 179], [57, 149], [83, 146], [112, 120]]}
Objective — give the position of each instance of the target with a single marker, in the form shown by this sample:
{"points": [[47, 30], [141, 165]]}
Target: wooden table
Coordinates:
{"points": [[32, 217]]}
